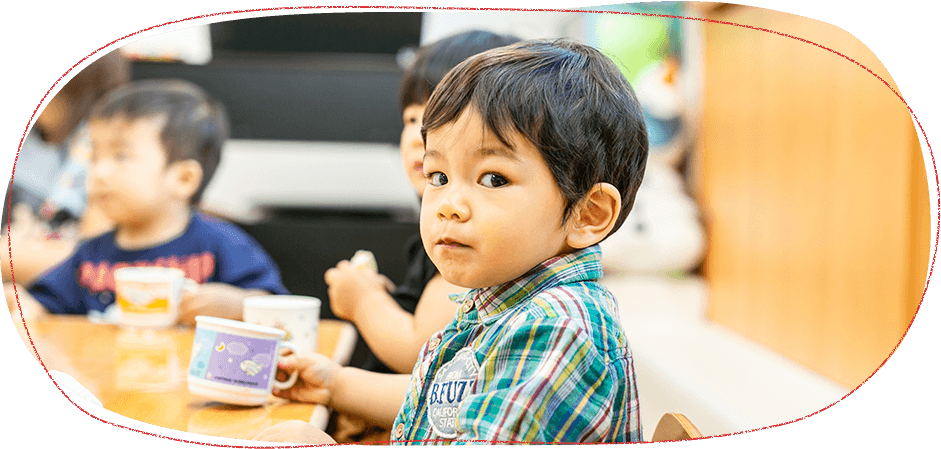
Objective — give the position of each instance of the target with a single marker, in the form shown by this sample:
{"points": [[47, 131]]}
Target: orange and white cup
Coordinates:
{"points": [[150, 296]]}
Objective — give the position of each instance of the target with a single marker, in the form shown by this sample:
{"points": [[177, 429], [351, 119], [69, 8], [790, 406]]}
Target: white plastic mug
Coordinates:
{"points": [[298, 316], [150, 296], [235, 362]]}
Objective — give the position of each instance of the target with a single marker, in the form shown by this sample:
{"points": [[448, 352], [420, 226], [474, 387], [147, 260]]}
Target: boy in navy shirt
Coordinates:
{"points": [[155, 146]]}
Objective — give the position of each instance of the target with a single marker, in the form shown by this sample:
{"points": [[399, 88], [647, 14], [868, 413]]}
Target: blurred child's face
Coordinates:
{"points": [[489, 213], [127, 174], [411, 146]]}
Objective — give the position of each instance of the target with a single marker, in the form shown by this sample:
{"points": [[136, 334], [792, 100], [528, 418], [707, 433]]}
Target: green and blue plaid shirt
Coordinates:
{"points": [[539, 359]]}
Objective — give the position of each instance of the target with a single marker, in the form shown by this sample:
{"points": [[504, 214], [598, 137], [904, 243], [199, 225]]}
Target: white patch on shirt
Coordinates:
{"points": [[452, 383]]}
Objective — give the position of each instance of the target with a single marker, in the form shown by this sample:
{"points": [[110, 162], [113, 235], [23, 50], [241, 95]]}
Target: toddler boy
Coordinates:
{"points": [[155, 146], [533, 155]]}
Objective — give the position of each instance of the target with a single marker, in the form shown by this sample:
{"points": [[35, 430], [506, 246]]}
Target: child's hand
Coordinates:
{"points": [[214, 299], [347, 284], [36, 248], [32, 309], [316, 373], [294, 432]]}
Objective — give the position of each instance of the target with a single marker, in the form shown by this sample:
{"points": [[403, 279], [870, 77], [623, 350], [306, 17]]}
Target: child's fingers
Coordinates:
{"points": [[345, 271], [330, 276], [306, 395], [288, 362], [390, 286], [189, 306], [297, 362], [188, 310]]}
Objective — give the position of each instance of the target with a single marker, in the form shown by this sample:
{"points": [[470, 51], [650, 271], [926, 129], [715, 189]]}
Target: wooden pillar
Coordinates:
{"points": [[812, 184]]}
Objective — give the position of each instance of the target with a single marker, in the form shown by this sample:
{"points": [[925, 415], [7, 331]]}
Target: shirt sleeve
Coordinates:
{"points": [[243, 263], [58, 290], [544, 382]]}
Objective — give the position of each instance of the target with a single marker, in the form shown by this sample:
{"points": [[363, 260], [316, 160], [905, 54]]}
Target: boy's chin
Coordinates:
{"points": [[471, 282], [460, 280]]}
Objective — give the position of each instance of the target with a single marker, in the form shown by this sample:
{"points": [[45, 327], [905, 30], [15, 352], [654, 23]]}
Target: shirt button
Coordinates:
{"points": [[468, 306], [399, 431], [435, 341]]}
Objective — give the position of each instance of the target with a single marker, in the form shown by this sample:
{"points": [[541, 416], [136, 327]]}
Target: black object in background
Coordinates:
{"points": [[337, 99], [324, 77], [305, 244], [304, 248], [350, 32]]}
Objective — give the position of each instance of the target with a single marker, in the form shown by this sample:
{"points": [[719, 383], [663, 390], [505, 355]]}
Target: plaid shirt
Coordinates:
{"points": [[538, 359]]}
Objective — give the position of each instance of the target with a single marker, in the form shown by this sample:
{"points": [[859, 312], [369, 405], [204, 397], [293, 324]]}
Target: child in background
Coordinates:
{"points": [[533, 155], [155, 146], [50, 212], [395, 324]]}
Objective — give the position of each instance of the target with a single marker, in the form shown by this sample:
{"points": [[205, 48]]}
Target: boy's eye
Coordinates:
{"points": [[437, 179], [493, 180], [411, 118]]}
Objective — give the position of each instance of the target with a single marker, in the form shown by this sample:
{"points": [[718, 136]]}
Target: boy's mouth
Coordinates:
{"points": [[449, 243]]}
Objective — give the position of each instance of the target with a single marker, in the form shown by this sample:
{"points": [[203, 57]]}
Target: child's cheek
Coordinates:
{"points": [[489, 236]]}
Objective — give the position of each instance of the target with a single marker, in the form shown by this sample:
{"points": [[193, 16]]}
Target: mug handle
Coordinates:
{"points": [[290, 382], [189, 285]]}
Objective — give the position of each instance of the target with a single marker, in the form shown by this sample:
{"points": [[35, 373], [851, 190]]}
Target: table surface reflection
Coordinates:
{"points": [[141, 374]]}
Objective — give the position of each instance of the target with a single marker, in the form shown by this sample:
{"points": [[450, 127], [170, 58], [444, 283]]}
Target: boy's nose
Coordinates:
{"points": [[98, 170], [453, 206], [414, 140]]}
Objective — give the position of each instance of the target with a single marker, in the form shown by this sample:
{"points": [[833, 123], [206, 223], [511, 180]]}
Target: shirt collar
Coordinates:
{"points": [[582, 265]]}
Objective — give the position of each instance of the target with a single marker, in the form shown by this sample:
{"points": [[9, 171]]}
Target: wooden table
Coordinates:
{"points": [[141, 374]]}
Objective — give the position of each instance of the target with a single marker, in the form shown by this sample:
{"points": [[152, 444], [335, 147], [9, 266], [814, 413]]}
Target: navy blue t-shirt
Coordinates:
{"points": [[208, 251]]}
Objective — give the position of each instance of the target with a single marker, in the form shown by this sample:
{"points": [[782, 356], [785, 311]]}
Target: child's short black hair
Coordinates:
{"points": [[433, 61], [568, 99], [196, 125]]}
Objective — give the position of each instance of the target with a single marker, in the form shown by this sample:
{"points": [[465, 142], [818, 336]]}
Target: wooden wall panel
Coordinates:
{"points": [[809, 175]]}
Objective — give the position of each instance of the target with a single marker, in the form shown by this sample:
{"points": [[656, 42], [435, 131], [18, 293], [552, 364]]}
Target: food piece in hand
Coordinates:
{"points": [[364, 260]]}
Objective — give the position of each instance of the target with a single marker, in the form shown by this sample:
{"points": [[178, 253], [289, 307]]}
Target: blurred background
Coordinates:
{"points": [[778, 248]]}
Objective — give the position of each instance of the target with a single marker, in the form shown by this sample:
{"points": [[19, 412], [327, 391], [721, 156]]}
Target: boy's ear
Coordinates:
{"points": [[187, 175], [594, 217]]}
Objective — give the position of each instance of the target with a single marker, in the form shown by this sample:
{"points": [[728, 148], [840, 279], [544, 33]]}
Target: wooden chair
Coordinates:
{"points": [[675, 426]]}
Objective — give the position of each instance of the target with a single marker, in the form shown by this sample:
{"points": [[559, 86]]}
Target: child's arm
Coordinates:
{"points": [[375, 397], [215, 299], [32, 310], [294, 432], [33, 251], [393, 334]]}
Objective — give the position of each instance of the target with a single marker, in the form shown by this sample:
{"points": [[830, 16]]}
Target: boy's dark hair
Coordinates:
{"points": [[196, 126], [433, 61], [568, 99]]}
